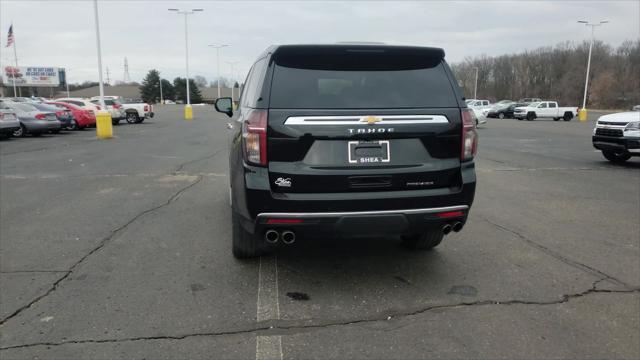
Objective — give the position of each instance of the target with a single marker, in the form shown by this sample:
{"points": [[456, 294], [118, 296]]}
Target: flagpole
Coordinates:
{"points": [[15, 56]]}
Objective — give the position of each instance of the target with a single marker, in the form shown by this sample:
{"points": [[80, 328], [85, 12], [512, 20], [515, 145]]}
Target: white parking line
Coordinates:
{"points": [[268, 347]]}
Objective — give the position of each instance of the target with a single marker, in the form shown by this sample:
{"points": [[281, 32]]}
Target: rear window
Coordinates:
{"points": [[361, 81]]}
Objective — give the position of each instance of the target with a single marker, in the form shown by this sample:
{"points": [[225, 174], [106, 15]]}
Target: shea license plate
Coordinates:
{"points": [[369, 152]]}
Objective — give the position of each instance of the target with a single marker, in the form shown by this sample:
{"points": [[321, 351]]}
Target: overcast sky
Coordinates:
{"points": [[62, 34]]}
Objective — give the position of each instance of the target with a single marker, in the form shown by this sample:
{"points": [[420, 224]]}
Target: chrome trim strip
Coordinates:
{"points": [[380, 212], [361, 120]]}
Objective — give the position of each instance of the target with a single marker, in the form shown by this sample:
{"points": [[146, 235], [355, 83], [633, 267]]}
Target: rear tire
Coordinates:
{"points": [[22, 132], [132, 118], [567, 117], [244, 244], [531, 116], [501, 116], [425, 241], [614, 157]]}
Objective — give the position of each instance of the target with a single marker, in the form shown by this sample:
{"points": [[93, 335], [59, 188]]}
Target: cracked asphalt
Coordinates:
{"points": [[120, 249]]}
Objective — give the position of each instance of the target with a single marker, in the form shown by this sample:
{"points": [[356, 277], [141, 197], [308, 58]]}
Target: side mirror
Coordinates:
{"points": [[224, 105]]}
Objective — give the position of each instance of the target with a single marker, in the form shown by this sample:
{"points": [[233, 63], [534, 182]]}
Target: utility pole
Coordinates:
{"points": [[188, 111], [475, 88], [582, 115], [126, 78], [160, 78], [218, 47]]}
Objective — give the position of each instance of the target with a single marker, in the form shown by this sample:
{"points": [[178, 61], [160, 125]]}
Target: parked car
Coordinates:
{"points": [[501, 109], [169, 102], [636, 108], [32, 120], [529, 100], [82, 118], [135, 112], [545, 109], [8, 121], [114, 107], [83, 103], [62, 114], [368, 150], [618, 136], [479, 104], [480, 115]]}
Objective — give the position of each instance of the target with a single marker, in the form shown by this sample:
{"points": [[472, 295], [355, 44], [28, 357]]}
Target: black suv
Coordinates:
{"points": [[354, 140]]}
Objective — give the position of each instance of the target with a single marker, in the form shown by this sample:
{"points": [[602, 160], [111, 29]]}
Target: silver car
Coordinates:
{"points": [[32, 120], [8, 121]]}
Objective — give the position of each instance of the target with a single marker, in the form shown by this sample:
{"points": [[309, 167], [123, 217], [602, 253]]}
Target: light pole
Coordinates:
{"points": [[582, 115], [188, 112], [475, 88], [160, 81], [218, 47], [233, 67], [104, 127], [66, 80]]}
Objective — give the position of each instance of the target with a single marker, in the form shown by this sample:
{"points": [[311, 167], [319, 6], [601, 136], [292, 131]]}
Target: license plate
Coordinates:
{"points": [[369, 152]]}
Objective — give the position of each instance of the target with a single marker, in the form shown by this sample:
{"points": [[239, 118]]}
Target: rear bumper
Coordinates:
{"points": [[352, 213], [35, 127], [622, 144], [362, 223]]}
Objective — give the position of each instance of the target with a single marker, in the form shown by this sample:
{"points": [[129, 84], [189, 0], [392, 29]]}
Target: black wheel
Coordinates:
{"points": [[115, 122], [556, 119], [567, 117], [426, 241], [614, 157], [531, 116], [20, 132], [132, 117], [244, 244], [501, 116]]}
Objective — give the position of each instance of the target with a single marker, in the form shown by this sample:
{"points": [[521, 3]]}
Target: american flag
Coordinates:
{"points": [[10, 38]]}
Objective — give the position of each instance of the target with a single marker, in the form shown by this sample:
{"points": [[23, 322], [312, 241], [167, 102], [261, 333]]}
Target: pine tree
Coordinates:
{"points": [[181, 89], [150, 88]]}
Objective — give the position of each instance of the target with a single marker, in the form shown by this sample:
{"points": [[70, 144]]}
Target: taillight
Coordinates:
{"points": [[40, 116], [469, 135], [116, 106], [254, 134], [60, 113], [146, 108]]}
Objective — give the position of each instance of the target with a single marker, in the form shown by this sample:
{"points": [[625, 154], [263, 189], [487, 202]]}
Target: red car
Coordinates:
{"points": [[82, 117]]}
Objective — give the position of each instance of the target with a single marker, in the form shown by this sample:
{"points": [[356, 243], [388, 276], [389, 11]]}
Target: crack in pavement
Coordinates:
{"points": [[100, 245], [556, 255], [280, 327], [32, 271], [181, 166]]}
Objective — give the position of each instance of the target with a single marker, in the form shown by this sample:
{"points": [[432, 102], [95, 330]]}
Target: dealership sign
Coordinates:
{"points": [[31, 76]]}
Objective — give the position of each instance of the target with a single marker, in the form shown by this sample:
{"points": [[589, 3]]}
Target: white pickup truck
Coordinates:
{"points": [[618, 136], [134, 112], [545, 109]]}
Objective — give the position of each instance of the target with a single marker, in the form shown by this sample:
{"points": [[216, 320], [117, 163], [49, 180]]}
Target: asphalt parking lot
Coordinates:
{"points": [[121, 249]]}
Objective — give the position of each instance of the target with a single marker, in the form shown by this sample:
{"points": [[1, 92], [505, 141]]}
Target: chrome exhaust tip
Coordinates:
{"points": [[446, 229], [288, 237], [457, 226], [271, 236]]}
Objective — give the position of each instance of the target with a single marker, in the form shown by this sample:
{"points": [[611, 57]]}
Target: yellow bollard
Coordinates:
{"points": [[104, 127], [582, 115], [188, 112]]}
